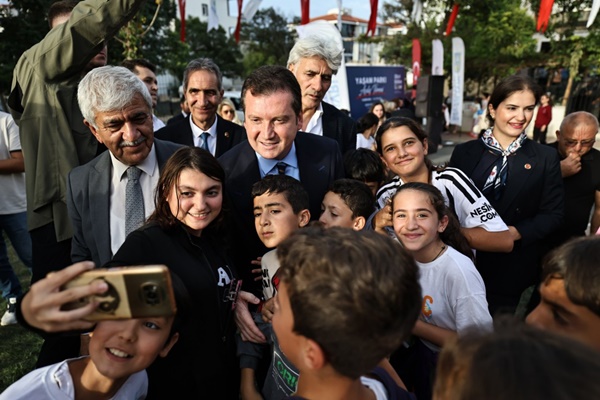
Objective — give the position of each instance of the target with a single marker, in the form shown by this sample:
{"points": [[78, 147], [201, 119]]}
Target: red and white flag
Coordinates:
{"points": [[238, 27], [304, 11], [182, 18], [372, 27], [544, 15]]}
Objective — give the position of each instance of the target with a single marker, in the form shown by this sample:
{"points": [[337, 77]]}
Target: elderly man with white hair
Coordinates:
{"points": [[314, 60], [114, 193]]}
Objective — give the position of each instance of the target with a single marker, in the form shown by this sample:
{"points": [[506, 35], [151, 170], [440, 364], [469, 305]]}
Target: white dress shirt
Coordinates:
{"points": [[315, 125], [212, 136], [118, 183]]}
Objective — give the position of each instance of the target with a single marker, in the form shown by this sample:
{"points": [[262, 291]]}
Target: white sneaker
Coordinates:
{"points": [[10, 317]]}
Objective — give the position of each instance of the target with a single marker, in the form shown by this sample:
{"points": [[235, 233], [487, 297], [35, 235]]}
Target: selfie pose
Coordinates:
{"points": [[186, 234]]}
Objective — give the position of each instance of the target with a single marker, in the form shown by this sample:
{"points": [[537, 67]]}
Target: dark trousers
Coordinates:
{"points": [[48, 253], [51, 255], [539, 135]]}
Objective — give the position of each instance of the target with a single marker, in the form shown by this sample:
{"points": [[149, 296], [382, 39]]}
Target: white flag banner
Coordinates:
{"points": [[251, 9], [338, 92], [339, 16], [213, 18], [593, 13], [437, 58], [458, 80], [417, 10]]}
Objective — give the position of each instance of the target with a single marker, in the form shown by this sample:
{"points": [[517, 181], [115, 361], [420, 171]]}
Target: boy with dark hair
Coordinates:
{"points": [[119, 352], [280, 208], [570, 292], [346, 300], [366, 166], [347, 204]]}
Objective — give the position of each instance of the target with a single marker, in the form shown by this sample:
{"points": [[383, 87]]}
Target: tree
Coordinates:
{"points": [[23, 23], [497, 36], [141, 38], [267, 39], [199, 43]]}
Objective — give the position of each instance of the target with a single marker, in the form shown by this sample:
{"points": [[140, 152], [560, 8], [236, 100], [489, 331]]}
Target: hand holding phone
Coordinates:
{"points": [[133, 292]]}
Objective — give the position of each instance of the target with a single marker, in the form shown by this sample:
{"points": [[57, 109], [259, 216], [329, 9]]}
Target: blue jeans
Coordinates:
{"points": [[15, 226]]}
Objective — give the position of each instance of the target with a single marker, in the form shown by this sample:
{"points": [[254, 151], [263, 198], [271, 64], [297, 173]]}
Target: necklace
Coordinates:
{"points": [[440, 253]]}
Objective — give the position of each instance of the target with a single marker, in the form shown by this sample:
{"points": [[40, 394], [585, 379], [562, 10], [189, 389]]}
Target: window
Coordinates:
{"points": [[205, 10]]}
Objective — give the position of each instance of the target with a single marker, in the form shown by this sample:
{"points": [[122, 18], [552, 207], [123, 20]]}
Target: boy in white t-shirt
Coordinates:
{"points": [[280, 208], [119, 353]]}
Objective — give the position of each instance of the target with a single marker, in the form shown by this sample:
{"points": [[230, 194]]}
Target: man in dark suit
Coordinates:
{"points": [[272, 107], [203, 90], [185, 111], [96, 191], [314, 60]]}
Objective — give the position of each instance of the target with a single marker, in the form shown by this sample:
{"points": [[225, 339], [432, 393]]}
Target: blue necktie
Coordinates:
{"points": [[204, 137]]}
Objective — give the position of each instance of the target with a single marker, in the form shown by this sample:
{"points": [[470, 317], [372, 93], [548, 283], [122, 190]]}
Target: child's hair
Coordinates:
{"points": [[516, 362], [367, 121], [355, 293], [291, 188], [357, 196], [452, 235], [364, 165], [415, 127], [576, 262]]}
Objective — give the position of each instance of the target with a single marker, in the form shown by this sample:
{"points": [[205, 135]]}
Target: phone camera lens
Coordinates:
{"points": [[151, 294]]}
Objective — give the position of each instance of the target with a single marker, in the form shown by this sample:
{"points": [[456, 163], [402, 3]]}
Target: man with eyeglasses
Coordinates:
{"points": [[114, 193], [580, 167]]}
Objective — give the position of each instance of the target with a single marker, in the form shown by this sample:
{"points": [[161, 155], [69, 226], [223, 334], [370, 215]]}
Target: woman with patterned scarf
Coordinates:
{"points": [[522, 181]]}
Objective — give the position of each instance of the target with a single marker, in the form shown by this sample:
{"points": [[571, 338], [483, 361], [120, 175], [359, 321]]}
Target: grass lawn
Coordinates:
{"points": [[18, 346]]}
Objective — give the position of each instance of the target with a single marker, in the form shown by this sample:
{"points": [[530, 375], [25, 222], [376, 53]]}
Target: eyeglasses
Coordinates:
{"points": [[116, 125], [583, 143]]}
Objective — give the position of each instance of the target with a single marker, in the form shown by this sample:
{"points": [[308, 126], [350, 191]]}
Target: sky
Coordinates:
{"points": [[291, 8]]}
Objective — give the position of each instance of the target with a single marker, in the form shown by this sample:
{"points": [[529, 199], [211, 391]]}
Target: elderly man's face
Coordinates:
{"points": [[271, 123], [314, 77], [127, 133], [578, 140], [203, 96]]}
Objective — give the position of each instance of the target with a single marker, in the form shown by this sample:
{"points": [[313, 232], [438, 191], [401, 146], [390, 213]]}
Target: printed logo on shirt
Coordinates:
{"points": [[284, 376], [485, 213], [426, 306], [224, 276]]}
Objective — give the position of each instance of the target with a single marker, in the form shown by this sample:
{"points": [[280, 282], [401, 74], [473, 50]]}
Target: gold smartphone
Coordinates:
{"points": [[133, 292]]}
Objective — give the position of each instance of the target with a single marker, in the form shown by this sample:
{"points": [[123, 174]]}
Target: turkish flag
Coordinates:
{"points": [[238, 27], [372, 27], [544, 15], [304, 6], [182, 17], [452, 19]]}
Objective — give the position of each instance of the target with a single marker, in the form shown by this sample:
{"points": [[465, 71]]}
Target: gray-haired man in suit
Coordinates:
{"points": [[117, 108]]}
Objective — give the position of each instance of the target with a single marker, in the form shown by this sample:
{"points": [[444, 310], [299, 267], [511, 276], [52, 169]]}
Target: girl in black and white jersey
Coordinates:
{"points": [[402, 144]]}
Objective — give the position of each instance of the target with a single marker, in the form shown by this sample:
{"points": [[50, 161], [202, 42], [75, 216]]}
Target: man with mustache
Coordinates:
{"points": [[97, 192], [313, 61], [44, 105]]}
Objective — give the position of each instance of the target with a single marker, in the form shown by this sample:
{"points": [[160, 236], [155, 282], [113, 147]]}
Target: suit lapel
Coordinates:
{"points": [[330, 127], [99, 198], [223, 138], [523, 165]]}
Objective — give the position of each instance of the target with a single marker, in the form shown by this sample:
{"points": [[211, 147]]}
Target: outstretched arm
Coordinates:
{"points": [[41, 306]]}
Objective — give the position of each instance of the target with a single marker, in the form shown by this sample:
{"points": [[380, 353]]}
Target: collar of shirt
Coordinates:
{"points": [[157, 123], [148, 166], [315, 125], [266, 165]]}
